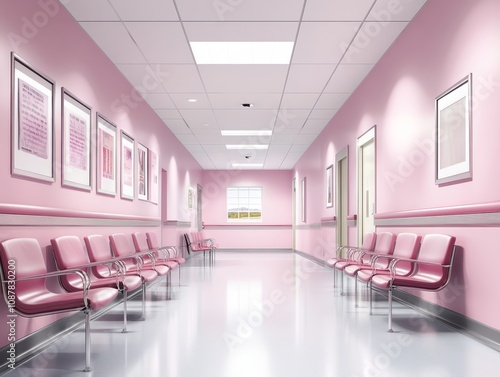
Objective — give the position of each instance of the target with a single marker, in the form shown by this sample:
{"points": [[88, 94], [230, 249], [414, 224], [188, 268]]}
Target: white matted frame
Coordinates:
{"points": [[76, 136], [106, 156], [454, 133], [32, 101], [142, 172], [329, 186], [127, 170], [153, 177]]}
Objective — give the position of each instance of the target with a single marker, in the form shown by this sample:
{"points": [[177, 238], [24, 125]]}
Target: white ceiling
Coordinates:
{"points": [[337, 43]]}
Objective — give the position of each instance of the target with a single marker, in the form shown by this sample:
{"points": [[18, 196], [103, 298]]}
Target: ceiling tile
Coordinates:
{"points": [[181, 101], [142, 78], [149, 10], [91, 10], [390, 10], [199, 118], [244, 78], [245, 119], [372, 41], [310, 78], [337, 10], [179, 78], [241, 31], [159, 101], [114, 40], [314, 126], [178, 126], [161, 42], [299, 100], [168, 114], [331, 100], [240, 10], [347, 77], [323, 42], [186, 138], [323, 114], [229, 101], [290, 119]]}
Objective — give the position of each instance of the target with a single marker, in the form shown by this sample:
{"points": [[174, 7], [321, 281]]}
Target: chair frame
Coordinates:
{"points": [[85, 305], [416, 262]]}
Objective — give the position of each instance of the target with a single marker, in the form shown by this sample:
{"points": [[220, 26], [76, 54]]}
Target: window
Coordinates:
{"points": [[244, 204]]}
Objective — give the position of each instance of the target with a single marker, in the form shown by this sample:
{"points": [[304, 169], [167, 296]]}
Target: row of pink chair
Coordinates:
{"points": [[386, 261], [197, 242], [90, 276]]}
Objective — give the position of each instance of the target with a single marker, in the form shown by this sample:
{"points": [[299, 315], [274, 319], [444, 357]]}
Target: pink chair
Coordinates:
{"points": [[99, 250], [172, 251], [194, 246], [406, 247], [157, 258], [384, 245], [69, 253], [343, 252], [33, 298], [432, 269]]}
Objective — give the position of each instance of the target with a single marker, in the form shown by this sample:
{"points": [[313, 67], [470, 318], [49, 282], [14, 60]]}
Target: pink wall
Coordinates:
{"points": [[275, 229], [447, 41], [58, 47]]}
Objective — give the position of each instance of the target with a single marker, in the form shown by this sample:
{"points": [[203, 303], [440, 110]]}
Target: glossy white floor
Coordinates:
{"points": [[263, 315]]}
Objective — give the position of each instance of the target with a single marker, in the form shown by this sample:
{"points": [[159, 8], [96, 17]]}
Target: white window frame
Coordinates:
{"points": [[239, 197]]}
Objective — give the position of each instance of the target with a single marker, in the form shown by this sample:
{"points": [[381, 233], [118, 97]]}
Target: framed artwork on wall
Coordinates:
{"points": [[303, 199], [76, 136], [32, 142], [142, 172], [127, 166], [329, 186], [106, 156], [453, 133], [153, 177]]}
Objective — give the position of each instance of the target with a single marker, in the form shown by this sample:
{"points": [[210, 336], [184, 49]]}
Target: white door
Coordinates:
{"points": [[294, 211], [366, 184], [342, 190]]}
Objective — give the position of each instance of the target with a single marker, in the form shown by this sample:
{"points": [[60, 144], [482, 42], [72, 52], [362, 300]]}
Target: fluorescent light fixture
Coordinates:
{"points": [[246, 132], [247, 146], [242, 52], [236, 165], [192, 100]]}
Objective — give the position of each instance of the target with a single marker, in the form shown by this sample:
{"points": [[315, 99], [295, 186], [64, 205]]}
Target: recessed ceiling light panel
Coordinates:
{"points": [[242, 52], [246, 132]]}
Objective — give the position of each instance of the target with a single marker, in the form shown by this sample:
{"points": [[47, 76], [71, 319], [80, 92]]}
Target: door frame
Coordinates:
{"points": [[341, 188], [364, 139]]}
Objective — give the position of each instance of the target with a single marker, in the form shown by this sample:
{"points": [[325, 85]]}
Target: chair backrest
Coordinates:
{"points": [[69, 252], [439, 249], [384, 245], [406, 247], [26, 255], [152, 240], [120, 245], [99, 250], [369, 241], [140, 241]]}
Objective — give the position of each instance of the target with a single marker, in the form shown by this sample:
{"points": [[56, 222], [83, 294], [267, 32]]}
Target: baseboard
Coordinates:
{"points": [[467, 326], [484, 334], [310, 257], [31, 345]]}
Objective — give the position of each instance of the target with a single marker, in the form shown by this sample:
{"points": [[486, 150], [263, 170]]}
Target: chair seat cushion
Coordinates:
{"points": [[421, 281], [332, 261], [36, 302], [354, 269]]}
